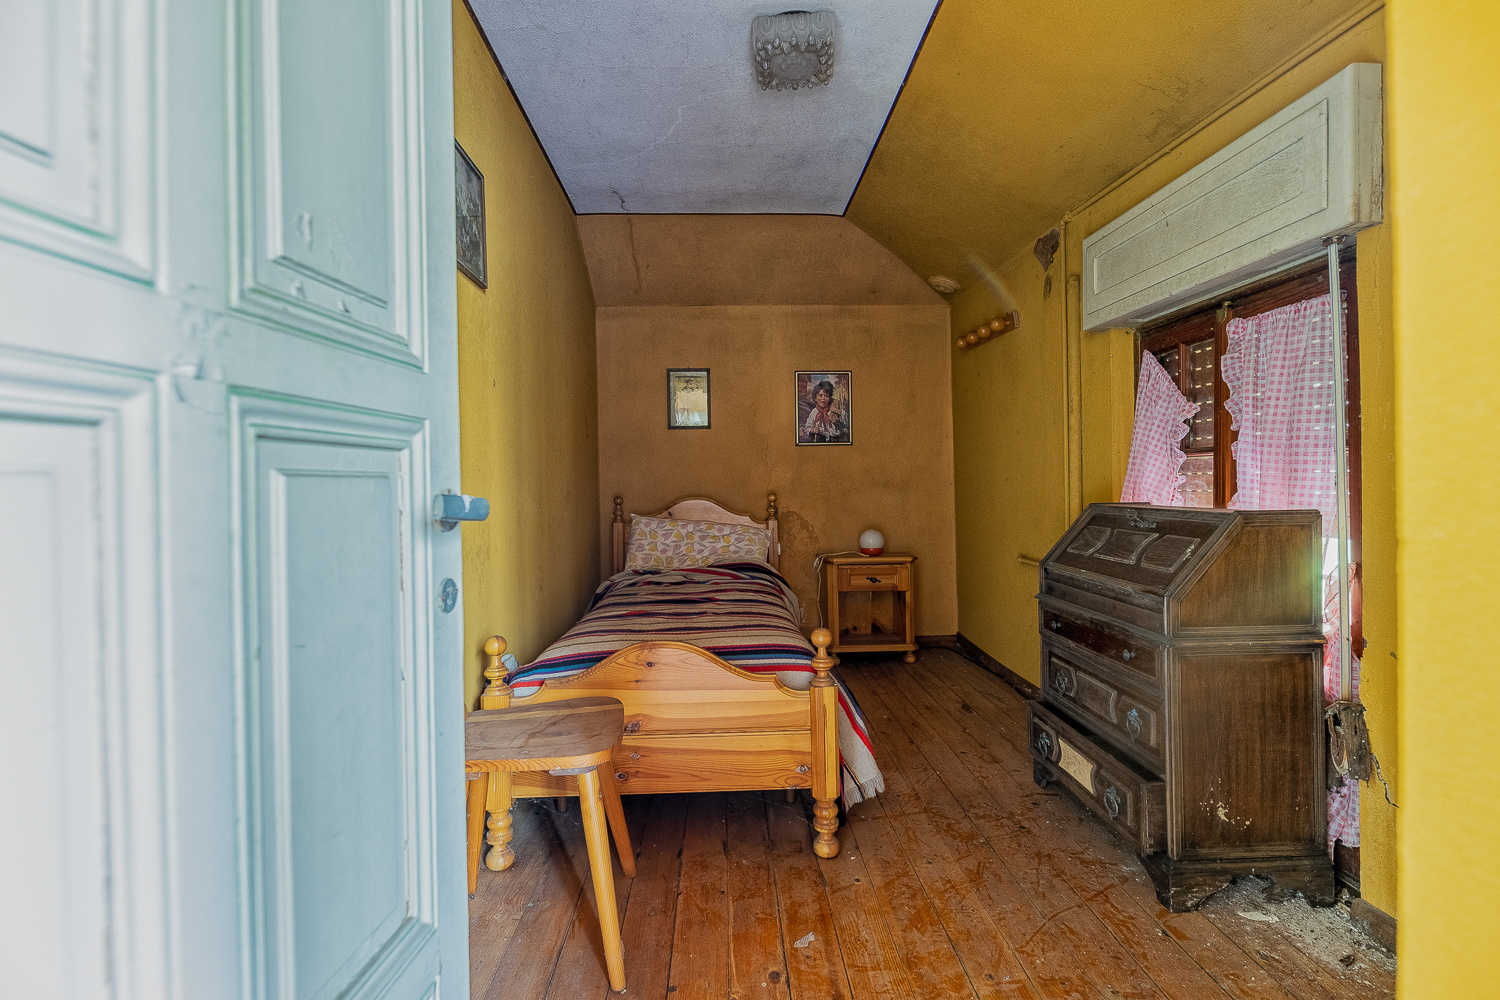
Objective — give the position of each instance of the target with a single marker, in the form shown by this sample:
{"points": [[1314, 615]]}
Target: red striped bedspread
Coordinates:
{"points": [[742, 612]]}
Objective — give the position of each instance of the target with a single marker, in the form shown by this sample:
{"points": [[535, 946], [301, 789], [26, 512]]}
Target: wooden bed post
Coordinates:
{"points": [[774, 556], [825, 749], [498, 800], [617, 532]]}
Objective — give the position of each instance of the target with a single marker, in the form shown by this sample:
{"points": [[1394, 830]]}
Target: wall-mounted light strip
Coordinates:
{"points": [[986, 332]]}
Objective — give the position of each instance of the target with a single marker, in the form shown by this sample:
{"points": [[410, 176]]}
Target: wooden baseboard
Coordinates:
{"points": [[1374, 921], [938, 641], [966, 646]]}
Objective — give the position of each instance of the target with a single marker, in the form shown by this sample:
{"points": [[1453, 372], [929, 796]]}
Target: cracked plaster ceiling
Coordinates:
{"points": [[653, 107]]}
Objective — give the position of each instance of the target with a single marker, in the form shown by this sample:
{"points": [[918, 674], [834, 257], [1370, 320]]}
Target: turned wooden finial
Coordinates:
{"points": [[822, 663], [770, 506], [497, 693], [619, 508]]}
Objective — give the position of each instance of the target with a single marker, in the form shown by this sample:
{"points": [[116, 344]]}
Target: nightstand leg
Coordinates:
{"points": [[910, 657]]}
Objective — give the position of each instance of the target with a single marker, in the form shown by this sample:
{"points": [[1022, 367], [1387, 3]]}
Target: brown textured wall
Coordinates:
{"points": [[770, 260], [897, 475]]}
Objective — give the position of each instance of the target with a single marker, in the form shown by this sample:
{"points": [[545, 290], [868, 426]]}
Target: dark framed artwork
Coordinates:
{"points": [[687, 399], [825, 407], [469, 199]]}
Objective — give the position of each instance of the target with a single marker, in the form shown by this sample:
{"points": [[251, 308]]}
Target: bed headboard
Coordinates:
{"points": [[697, 509]]}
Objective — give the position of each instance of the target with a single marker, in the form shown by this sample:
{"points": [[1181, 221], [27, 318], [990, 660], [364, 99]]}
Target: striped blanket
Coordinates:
{"points": [[742, 612]]}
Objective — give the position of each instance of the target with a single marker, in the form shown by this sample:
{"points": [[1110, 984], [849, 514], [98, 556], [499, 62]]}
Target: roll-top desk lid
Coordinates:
{"points": [[1191, 571]]}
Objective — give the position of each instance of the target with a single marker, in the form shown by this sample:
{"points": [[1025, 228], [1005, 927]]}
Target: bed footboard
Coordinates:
{"points": [[693, 722]]}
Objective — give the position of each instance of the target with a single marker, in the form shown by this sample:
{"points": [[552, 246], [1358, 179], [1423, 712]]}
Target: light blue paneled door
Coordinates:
{"points": [[230, 699]]}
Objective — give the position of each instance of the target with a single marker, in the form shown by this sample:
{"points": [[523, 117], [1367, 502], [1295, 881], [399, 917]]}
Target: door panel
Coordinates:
{"points": [[339, 810], [81, 697], [75, 179], [330, 211], [49, 537]]}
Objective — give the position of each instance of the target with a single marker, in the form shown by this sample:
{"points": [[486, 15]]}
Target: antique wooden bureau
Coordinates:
{"points": [[1182, 699]]}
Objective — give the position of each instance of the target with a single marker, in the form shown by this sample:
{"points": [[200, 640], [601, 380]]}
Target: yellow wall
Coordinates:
{"points": [[529, 434], [1444, 92], [1042, 423]]}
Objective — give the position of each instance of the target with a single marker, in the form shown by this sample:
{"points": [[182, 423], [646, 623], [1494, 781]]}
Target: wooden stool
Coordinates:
{"points": [[564, 737]]}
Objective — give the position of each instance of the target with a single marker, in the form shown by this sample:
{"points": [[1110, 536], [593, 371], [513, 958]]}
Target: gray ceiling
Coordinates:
{"points": [[650, 107]]}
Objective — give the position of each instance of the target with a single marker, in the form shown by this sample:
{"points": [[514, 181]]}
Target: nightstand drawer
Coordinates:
{"points": [[874, 577]]}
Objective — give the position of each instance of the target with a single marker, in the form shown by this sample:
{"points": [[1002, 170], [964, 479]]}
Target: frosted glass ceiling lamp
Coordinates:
{"points": [[793, 50]]}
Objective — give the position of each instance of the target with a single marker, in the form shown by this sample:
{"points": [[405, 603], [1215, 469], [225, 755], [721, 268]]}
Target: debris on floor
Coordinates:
{"points": [[1323, 933]]}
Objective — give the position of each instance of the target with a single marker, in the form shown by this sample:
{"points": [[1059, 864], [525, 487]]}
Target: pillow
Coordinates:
{"points": [[670, 543]]}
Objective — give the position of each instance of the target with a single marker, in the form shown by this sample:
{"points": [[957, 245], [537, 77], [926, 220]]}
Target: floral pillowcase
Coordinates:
{"points": [[669, 543]]}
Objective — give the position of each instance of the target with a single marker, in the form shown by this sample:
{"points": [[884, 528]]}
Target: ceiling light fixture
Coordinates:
{"points": [[944, 284], [792, 50]]}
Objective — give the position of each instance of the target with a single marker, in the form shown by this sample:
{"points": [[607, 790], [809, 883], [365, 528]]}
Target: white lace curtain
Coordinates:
{"points": [[1154, 473]]}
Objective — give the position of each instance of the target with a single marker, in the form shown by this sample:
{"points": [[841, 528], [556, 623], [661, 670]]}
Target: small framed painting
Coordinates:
{"points": [[825, 407], [687, 399], [469, 197]]}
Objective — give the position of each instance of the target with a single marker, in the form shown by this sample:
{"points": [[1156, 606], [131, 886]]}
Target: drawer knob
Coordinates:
{"points": [[621, 776], [1054, 624], [1129, 654], [1044, 743], [1060, 681], [873, 579], [1133, 723], [1112, 802]]}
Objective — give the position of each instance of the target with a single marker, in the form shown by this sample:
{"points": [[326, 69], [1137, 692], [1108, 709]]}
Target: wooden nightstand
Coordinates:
{"points": [[870, 604]]}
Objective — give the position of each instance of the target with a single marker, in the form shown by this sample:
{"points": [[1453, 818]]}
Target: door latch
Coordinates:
{"points": [[450, 508]]}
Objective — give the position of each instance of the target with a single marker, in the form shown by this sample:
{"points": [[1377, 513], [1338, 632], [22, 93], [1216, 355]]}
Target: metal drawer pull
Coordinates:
{"points": [[1044, 743], [1060, 681], [874, 579], [1112, 802], [1054, 624], [1129, 654], [1133, 723]]}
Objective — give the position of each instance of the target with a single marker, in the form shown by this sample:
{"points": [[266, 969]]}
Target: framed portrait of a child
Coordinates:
{"points": [[825, 407]]}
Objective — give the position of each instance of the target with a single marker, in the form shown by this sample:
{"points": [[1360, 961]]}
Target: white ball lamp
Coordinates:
{"points": [[871, 542]]}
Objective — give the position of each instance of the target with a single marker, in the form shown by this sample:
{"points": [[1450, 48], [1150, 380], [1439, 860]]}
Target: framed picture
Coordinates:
{"points": [[825, 407], [687, 399], [469, 196]]}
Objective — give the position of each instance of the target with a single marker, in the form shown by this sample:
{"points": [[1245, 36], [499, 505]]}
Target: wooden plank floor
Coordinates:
{"points": [[963, 880]]}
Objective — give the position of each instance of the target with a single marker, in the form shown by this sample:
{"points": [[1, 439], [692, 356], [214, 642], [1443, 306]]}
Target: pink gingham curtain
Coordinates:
{"points": [[1279, 370], [1161, 410]]}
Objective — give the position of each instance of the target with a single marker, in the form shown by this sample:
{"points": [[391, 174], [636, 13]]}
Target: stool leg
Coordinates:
{"points": [[615, 811], [596, 835], [499, 801], [475, 795]]}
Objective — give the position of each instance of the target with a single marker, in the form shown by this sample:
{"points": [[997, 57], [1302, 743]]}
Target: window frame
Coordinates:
{"points": [[1297, 283]]}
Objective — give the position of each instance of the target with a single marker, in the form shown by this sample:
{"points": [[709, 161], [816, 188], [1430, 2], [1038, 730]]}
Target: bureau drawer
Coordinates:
{"points": [[1131, 801], [1093, 694], [875, 577], [1138, 655]]}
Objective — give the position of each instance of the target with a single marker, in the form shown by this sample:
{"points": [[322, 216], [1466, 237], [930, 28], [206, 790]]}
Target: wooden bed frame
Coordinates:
{"points": [[693, 722]]}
